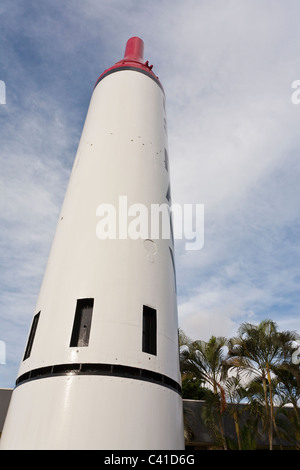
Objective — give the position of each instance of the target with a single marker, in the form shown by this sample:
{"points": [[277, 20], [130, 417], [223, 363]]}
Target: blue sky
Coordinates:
{"points": [[227, 68]]}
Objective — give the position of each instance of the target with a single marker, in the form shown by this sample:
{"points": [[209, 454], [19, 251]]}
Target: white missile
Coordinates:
{"points": [[101, 365]]}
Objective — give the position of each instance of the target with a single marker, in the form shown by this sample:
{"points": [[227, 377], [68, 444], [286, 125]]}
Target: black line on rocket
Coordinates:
{"points": [[112, 370]]}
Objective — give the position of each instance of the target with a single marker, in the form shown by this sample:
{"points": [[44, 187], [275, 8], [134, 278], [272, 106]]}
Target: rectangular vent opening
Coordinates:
{"points": [[166, 160], [31, 336], [82, 323], [149, 343]]}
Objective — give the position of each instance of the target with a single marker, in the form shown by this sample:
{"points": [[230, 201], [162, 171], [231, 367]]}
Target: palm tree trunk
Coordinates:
{"points": [[296, 410], [269, 421], [271, 408], [222, 432], [277, 433], [220, 412], [237, 429]]}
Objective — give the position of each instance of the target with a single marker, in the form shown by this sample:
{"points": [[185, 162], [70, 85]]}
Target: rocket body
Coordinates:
{"points": [[101, 368]]}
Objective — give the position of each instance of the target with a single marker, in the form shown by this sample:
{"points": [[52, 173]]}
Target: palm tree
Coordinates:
{"points": [[288, 373], [235, 393], [288, 390], [259, 350], [258, 414], [205, 361]]}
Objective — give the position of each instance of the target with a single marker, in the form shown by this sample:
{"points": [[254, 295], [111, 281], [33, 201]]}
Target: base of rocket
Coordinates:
{"points": [[115, 413]]}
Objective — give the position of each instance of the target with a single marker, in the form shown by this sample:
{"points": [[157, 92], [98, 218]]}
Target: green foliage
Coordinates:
{"points": [[255, 368], [192, 388]]}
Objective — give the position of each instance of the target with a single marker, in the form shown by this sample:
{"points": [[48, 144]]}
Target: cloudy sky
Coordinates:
{"points": [[227, 68]]}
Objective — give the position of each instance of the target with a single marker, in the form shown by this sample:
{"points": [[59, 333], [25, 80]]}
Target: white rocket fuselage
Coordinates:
{"points": [[101, 365]]}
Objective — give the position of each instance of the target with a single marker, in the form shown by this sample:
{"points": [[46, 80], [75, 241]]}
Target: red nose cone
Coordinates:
{"points": [[134, 50], [133, 60]]}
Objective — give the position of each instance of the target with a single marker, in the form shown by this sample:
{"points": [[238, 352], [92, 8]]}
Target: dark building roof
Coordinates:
{"points": [[5, 395], [197, 434]]}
